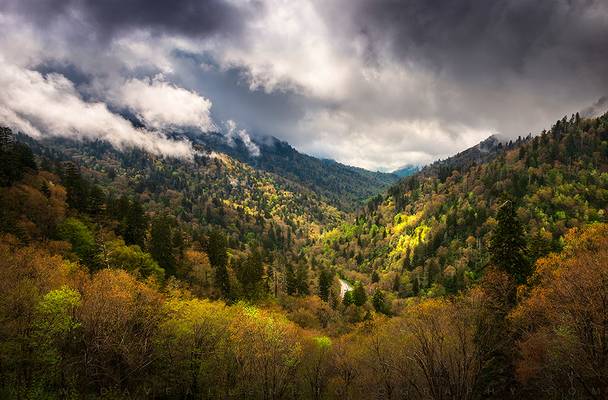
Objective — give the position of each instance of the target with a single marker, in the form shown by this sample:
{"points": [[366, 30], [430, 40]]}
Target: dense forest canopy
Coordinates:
{"points": [[128, 275]]}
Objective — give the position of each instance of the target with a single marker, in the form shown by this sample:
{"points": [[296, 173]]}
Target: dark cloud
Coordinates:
{"points": [[112, 17], [480, 39]]}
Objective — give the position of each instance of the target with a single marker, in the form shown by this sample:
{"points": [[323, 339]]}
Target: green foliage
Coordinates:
{"points": [[80, 237], [131, 258], [348, 298], [359, 295], [161, 244], [326, 278], [436, 226], [249, 273], [218, 257], [54, 322], [379, 302], [508, 245]]}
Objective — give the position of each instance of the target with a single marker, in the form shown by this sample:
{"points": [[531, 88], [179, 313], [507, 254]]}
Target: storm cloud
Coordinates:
{"points": [[114, 17], [374, 83]]}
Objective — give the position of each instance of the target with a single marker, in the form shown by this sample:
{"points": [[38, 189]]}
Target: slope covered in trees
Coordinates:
{"points": [[343, 186], [130, 276], [432, 233]]}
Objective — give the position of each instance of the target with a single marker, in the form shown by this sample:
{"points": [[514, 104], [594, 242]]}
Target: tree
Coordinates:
{"points": [[218, 257], [161, 244], [80, 237], [348, 298], [379, 302], [508, 244], [249, 273], [199, 271], [563, 324], [375, 277], [407, 260], [302, 280], [96, 201], [325, 282], [132, 259], [136, 223], [291, 284], [76, 186], [15, 158], [359, 295]]}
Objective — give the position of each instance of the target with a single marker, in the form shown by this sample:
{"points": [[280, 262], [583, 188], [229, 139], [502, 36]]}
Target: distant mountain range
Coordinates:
{"points": [[406, 170], [343, 186]]}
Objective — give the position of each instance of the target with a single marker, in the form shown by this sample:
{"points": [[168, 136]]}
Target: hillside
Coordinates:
{"points": [[117, 264], [345, 187], [406, 170], [431, 234]]}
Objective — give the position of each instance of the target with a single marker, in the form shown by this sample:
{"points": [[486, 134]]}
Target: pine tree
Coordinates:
{"points": [[359, 295], [96, 201], [379, 302], [250, 272], [290, 280], [415, 286], [161, 244], [77, 190], [218, 258], [325, 280], [508, 244], [136, 223], [407, 264], [302, 280]]}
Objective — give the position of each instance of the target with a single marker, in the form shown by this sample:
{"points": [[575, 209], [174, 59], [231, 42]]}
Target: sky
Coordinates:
{"points": [[372, 83]]}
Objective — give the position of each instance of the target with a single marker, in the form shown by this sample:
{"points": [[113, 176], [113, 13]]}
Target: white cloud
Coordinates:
{"points": [[40, 106], [382, 142], [233, 132], [162, 105], [288, 47]]}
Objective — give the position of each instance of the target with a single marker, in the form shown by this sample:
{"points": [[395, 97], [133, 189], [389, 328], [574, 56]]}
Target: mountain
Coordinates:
{"points": [[432, 232], [406, 170], [343, 186], [478, 154], [213, 191]]}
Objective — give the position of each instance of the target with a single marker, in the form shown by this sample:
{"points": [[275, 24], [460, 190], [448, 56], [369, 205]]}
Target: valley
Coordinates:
{"points": [[235, 274]]}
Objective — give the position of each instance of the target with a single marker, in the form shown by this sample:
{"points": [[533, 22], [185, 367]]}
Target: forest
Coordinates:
{"points": [[126, 275]]}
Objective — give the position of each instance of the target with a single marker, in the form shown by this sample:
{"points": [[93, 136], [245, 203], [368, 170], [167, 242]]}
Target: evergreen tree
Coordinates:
{"points": [[290, 280], [136, 223], [76, 186], [407, 265], [302, 280], [508, 244], [161, 244], [415, 286], [216, 249], [325, 281], [96, 201], [379, 302], [359, 295], [250, 272], [15, 158], [218, 258]]}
